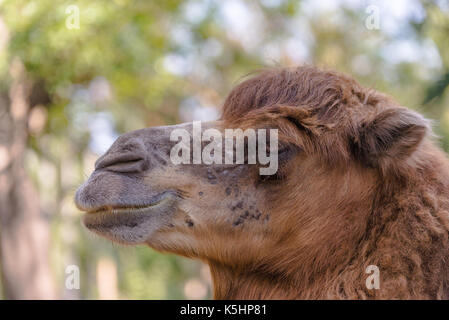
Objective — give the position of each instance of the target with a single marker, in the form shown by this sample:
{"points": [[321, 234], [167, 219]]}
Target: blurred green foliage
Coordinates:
{"points": [[132, 64]]}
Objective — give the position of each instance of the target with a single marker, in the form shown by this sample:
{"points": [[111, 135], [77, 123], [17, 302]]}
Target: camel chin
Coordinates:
{"points": [[132, 223]]}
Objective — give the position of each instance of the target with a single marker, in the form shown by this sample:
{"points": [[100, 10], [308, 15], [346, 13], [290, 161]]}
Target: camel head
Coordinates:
{"points": [[340, 149], [140, 193]]}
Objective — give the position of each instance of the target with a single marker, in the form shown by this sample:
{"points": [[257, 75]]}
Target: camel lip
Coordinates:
{"points": [[129, 208], [115, 223]]}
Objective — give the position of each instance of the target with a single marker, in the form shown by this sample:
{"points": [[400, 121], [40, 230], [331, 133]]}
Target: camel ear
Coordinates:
{"points": [[392, 134]]}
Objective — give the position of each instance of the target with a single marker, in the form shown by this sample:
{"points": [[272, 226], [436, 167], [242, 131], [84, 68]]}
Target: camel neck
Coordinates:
{"points": [[231, 284]]}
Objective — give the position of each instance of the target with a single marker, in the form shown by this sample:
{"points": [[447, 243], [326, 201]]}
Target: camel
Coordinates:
{"points": [[361, 184]]}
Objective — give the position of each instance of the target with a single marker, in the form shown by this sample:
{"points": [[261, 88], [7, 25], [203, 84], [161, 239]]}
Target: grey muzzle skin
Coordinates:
{"points": [[123, 184], [117, 180]]}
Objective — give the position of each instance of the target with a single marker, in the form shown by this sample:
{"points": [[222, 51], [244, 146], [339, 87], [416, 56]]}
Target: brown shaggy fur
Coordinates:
{"points": [[360, 182], [395, 215]]}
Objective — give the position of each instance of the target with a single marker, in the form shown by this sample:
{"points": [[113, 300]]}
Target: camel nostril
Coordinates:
{"points": [[127, 154], [127, 162]]}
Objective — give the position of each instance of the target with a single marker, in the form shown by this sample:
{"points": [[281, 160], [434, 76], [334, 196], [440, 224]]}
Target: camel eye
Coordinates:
{"points": [[285, 153], [282, 151]]}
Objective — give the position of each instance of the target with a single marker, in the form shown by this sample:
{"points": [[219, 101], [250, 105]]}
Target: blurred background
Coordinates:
{"points": [[76, 74]]}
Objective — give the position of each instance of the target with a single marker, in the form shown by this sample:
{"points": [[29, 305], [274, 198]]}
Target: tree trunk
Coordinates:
{"points": [[24, 231]]}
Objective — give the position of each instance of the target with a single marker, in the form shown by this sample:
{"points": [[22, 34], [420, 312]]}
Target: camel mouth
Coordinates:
{"points": [[131, 208], [107, 220]]}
